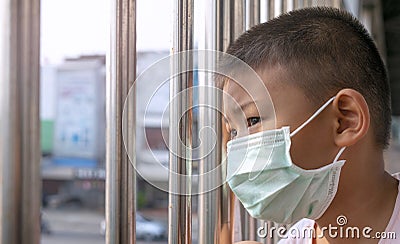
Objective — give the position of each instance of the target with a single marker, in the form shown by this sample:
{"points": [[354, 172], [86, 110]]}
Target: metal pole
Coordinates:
{"points": [[271, 9], [264, 10], [278, 7], [180, 129], [238, 19], [19, 128], [290, 5], [224, 33], [211, 227], [253, 13], [298, 4], [247, 223], [209, 202], [120, 178], [225, 21]]}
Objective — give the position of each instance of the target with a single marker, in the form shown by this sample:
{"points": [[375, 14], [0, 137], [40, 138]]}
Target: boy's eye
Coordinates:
{"points": [[233, 133], [252, 121]]}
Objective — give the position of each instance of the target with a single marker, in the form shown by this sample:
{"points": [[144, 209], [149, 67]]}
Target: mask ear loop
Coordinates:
{"points": [[339, 154], [312, 117]]}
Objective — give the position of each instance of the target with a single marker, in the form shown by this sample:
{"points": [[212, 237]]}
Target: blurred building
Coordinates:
{"points": [[73, 132], [73, 126]]}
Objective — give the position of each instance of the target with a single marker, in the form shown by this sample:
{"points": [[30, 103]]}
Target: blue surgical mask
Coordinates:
{"points": [[270, 186]]}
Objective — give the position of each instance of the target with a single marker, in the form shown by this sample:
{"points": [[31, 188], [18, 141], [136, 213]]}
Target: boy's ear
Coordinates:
{"points": [[353, 118]]}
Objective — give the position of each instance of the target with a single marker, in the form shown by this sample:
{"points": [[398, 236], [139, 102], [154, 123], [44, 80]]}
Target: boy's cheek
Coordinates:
{"points": [[312, 148], [268, 124]]}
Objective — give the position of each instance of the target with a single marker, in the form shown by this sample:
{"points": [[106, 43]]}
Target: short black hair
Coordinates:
{"points": [[322, 50]]}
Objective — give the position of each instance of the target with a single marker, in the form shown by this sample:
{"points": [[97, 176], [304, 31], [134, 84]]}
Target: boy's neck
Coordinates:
{"points": [[366, 195]]}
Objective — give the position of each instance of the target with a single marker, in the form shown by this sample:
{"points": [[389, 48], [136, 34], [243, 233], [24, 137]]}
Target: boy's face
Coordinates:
{"points": [[312, 147]]}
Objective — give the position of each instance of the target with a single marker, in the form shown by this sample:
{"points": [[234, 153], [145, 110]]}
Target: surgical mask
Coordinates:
{"points": [[270, 186]]}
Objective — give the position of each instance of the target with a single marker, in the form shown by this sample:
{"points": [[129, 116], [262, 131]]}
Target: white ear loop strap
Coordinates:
{"points": [[312, 117], [339, 154]]}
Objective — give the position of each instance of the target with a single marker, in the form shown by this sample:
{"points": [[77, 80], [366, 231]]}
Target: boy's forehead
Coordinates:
{"points": [[236, 90], [273, 87], [236, 95], [247, 88], [265, 79]]}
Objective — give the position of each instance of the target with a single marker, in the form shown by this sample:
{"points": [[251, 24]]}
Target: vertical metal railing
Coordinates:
{"points": [[120, 178], [213, 224], [253, 13], [248, 225], [19, 125], [238, 19], [180, 129], [225, 21]]}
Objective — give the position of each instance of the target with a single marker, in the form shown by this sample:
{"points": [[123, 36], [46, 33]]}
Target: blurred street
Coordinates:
{"points": [[76, 226], [82, 226], [72, 226]]}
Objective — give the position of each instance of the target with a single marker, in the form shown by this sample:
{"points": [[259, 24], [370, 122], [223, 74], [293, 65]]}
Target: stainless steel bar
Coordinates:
{"points": [[278, 7], [209, 202], [180, 129], [215, 224], [263, 10], [224, 22], [216, 207], [284, 4], [131, 120], [31, 154], [253, 13], [353, 7], [249, 224], [8, 167], [120, 174], [238, 19], [337, 3], [271, 9], [298, 4], [19, 128], [290, 5]]}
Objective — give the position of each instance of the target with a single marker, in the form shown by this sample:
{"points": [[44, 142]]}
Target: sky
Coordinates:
{"points": [[70, 28], [74, 27]]}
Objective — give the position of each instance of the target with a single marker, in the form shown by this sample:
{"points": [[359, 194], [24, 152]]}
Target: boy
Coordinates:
{"points": [[324, 155]]}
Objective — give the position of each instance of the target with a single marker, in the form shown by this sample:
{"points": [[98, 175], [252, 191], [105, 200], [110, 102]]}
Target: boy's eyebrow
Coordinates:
{"points": [[246, 105], [242, 107]]}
